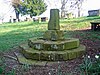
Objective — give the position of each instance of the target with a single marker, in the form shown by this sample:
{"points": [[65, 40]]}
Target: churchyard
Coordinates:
{"points": [[14, 34]]}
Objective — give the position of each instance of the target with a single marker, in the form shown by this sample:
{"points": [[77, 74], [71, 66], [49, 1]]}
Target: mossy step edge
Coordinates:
{"points": [[53, 55], [66, 44]]}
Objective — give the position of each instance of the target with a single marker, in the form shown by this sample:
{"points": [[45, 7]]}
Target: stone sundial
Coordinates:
{"points": [[52, 47]]}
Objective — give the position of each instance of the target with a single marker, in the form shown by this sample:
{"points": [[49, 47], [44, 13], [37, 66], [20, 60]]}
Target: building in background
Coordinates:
{"points": [[7, 11], [94, 12]]}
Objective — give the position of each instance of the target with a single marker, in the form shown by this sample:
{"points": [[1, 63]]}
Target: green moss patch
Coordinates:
{"points": [[48, 45], [53, 55], [53, 35]]}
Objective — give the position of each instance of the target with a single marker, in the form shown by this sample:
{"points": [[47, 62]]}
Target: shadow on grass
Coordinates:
{"points": [[15, 38], [85, 34]]}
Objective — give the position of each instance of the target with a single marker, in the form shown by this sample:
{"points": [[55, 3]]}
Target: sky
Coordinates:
{"points": [[6, 10], [92, 4]]}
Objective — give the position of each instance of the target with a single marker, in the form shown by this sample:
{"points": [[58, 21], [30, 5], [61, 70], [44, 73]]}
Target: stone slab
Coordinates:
{"points": [[48, 45], [36, 43], [23, 60]]}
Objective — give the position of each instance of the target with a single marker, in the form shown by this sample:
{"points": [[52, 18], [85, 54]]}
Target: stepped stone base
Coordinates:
{"points": [[52, 47], [48, 45], [23, 60], [39, 55]]}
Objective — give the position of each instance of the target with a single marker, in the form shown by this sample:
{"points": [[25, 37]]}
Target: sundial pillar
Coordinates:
{"points": [[53, 33], [54, 20]]}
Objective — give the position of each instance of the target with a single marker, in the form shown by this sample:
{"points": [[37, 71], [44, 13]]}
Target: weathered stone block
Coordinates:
{"points": [[44, 56], [36, 44], [77, 52], [23, 60], [61, 56], [51, 46], [71, 54], [53, 35], [61, 45], [54, 45], [81, 51], [33, 56], [70, 44], [30, 54]]}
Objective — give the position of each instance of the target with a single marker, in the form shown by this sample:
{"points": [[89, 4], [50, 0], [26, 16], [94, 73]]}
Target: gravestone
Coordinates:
{"points": [[52, 47]]}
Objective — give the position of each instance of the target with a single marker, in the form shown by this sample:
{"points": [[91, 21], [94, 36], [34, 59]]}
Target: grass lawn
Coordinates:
{"points": [[13, 34]]}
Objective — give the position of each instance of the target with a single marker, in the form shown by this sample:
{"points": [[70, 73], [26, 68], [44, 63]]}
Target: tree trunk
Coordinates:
{"points": [[17, 14], [79, 12]]}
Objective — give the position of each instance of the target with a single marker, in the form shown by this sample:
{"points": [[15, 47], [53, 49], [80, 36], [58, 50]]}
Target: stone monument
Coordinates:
{"points": [[52, 47]]}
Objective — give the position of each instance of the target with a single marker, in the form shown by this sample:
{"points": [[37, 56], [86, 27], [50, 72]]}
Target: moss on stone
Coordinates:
{"points": [[36, 44], [23, 60], [71, 54], [73, 43], [44, 56], [52, 47], [61, 56], [74, 53], [48, 45], [53, 35], [53, 55], [54, 20], [61, 45]]}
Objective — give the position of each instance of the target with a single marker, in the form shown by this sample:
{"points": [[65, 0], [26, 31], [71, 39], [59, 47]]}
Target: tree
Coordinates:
{"points": [[63, 4], [78, 5], [2, 17], [16, 4], [73, 4], [32, 7]]}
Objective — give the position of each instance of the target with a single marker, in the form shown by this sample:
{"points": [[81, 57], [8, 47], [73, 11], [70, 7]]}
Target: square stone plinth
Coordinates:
{"points": [[53, 35]]}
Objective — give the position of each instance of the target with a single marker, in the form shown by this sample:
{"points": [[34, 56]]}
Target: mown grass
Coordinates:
{"points": [[13, 34]]}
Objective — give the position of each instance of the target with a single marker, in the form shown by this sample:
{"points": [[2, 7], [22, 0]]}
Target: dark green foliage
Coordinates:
{"points": [[90, 66], [16, 4], [32, 7], [1, 70]]}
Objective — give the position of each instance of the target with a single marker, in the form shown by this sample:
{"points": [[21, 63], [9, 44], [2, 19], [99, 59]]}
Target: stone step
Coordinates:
{"points": [[30, 53], [47, 45], [23, 60]]}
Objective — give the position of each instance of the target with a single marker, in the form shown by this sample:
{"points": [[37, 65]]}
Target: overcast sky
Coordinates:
{"points": [[88, 5]]}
